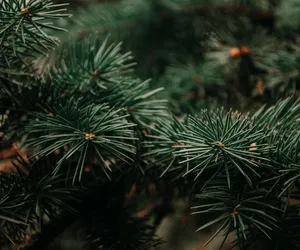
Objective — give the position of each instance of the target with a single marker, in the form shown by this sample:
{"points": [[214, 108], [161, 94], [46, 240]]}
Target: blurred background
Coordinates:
{"points": [[205, 53]]}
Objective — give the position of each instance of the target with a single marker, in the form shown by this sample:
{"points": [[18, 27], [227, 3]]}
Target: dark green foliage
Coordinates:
{"points": [[22, 28], [284, 237], [200, 34], [188, 83], [94, 129], [164, 135], [245, 166], [216, 141], [138, 97], [83, 115], [30, 196], [240, 209], [23, 35], [281, 117], [91, 122], [102, 73], [213, 141], [43, 95], [92, 66]]}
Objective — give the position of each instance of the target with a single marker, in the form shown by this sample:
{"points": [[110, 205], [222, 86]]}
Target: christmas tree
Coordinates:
{"points": [[112, 113]]}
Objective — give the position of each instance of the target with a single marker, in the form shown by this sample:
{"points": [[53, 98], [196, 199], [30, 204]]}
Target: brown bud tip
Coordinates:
{"points": [[245, 50], [259, 87], [235, 52], [89, 136], [234, 213], [96, 73], [87, 169], [252, 146], [221, 145], [25, 10]]}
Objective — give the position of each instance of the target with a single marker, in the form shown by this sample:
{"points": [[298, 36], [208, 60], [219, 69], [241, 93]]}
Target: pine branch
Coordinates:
{"points": [[91, 65], [79, 129], [104, 74], [22, 27]]}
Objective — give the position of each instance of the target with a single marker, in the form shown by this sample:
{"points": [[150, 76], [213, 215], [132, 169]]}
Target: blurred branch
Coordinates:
{"points": [[252, 13]]}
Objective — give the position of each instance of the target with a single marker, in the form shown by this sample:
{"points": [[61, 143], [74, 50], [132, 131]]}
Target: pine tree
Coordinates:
{"points": [[95, 127]]}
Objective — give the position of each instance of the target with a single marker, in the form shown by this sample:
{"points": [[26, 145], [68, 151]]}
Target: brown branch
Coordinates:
{"points": [[9, 159]]}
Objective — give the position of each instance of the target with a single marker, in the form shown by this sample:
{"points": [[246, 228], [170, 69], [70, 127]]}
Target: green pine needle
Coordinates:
{"points": [[95, 130], [92, 66], [23, 26]]}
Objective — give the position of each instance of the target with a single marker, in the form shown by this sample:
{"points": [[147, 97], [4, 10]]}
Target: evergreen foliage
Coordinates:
{"points": [[95, 128]]}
